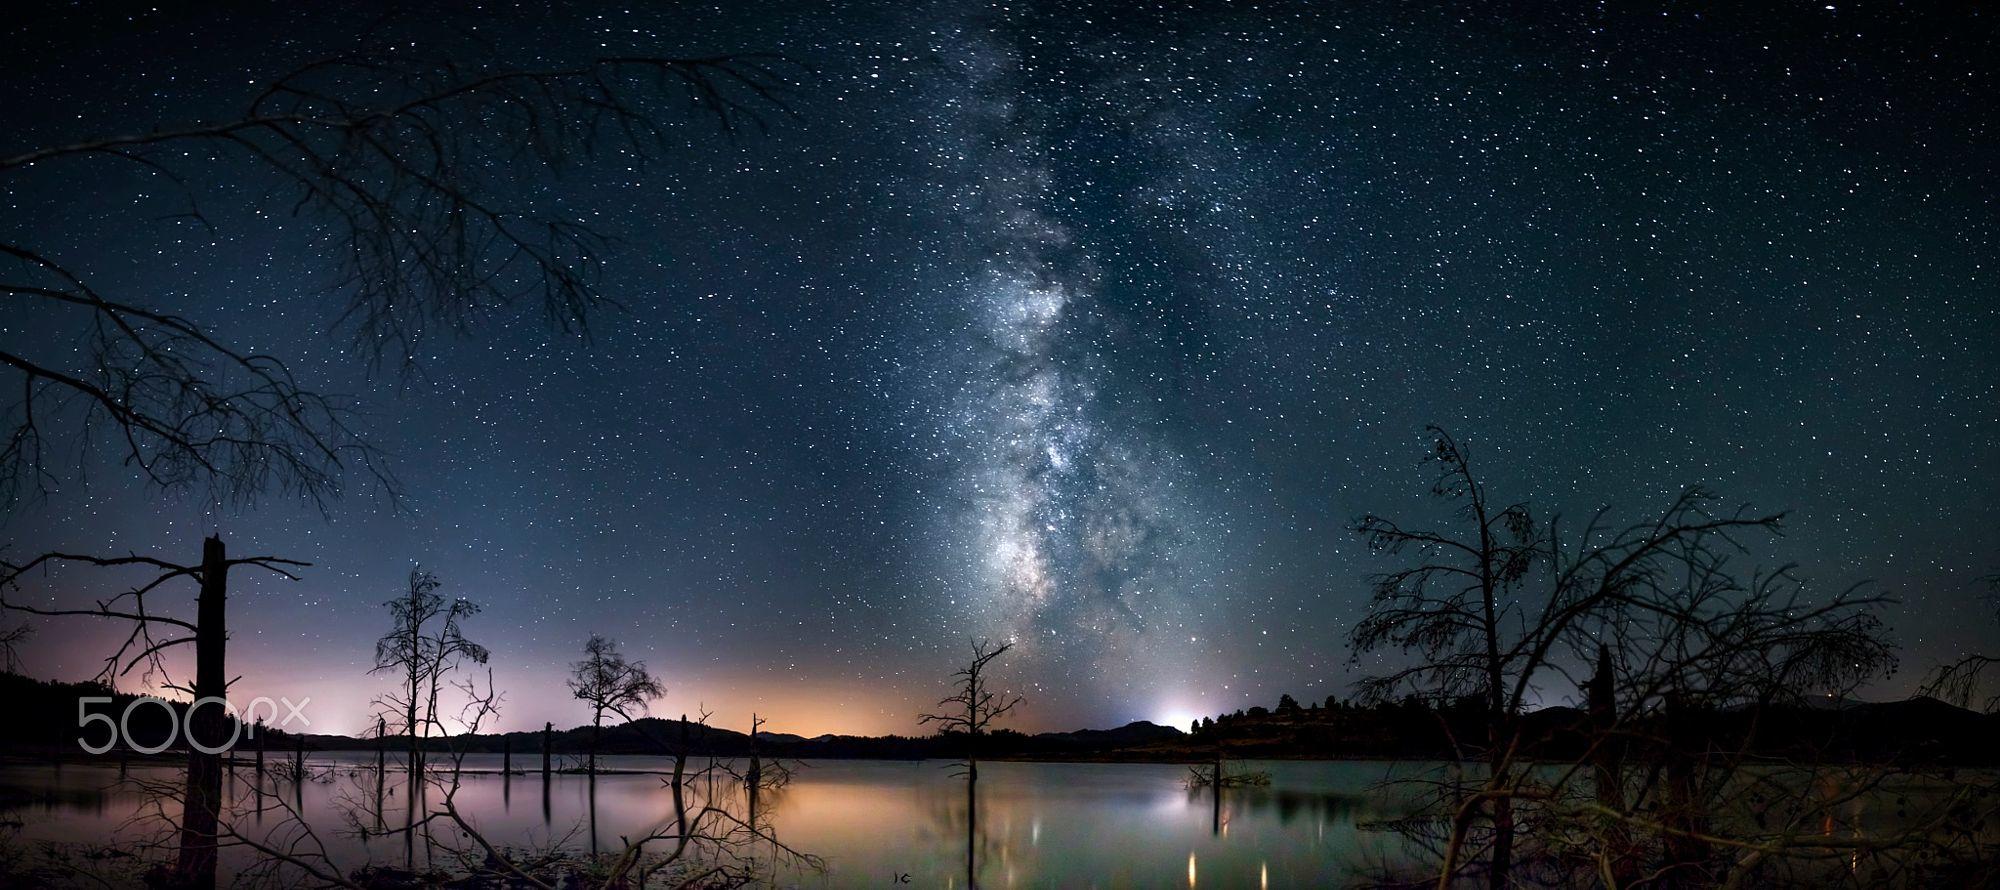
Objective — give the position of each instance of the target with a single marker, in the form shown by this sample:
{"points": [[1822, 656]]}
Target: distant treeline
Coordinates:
{"points": [[47, 716], [1912, 732], [1915, 731]]}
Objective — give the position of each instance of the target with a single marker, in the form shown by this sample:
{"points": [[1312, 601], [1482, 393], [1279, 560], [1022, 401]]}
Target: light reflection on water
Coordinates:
{"points": [[874, 822]]}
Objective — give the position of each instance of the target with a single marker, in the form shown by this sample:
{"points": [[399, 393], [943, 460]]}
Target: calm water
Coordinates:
{"points": [[1038, 824]]}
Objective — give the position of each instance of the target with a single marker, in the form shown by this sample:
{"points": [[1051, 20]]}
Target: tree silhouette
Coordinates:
{"points": [[425, 643], [610, 685], [201, 794], [973, 708], [383, 147], [971, 711], [1964, 682], [1509, 604]]}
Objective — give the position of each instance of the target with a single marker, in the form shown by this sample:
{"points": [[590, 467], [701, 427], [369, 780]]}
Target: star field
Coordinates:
{"points": [[1089, 327]]}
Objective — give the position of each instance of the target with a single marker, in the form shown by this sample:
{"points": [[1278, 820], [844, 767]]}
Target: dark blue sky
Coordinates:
{"points": [[1089, 327]]}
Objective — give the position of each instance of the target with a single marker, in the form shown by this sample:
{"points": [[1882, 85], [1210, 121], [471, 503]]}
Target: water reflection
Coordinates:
{"points": [[876, 823]]}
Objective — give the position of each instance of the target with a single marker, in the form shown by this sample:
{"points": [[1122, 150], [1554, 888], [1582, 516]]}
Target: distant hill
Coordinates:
{"points": [[44, 721]]}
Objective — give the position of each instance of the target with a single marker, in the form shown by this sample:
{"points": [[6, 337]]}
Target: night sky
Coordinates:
{"points": [[1086, 327]]}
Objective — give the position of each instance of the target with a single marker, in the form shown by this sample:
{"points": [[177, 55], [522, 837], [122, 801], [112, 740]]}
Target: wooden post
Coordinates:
{"points": [[260, 750], [506, 755], [546, 729], [202, 804]]}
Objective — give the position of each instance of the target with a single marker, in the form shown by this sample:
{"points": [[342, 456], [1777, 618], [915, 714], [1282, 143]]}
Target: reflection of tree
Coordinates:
{"points": [[709, 840], [952, 817], [969, 712], [1287, 806]]}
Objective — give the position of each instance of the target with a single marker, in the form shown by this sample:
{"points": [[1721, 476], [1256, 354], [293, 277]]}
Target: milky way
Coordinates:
{"points": [[1074, 534]]}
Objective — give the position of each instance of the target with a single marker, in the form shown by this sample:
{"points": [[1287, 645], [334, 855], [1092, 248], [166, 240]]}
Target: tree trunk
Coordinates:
{"points": [[1603, 715], [755, 775], [1498, 875], [299, 773], [410, 720], [1503, 842], [1684, 812], [1606, 763], [680, 778], [202, 804]]}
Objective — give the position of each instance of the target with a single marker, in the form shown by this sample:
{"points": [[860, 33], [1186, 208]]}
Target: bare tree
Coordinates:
{"points": [[424, 645], [1453, 609], [1502, 611], [973, 708], [10, 645], [201, 795], [610, 684], [713, 841], [384, 147], [971, 711], [1964, 682]]}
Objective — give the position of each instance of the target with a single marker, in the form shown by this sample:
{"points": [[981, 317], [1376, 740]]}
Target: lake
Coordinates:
{"points": [[875, 823]]}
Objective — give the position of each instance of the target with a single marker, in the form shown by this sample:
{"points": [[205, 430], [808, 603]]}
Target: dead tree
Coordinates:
{"points": [[610, 684], [209, 720], [1512, 604], [424, 645], [10, 643], [970, 712], [1965, 682], [1456, 612], [383, 148]]}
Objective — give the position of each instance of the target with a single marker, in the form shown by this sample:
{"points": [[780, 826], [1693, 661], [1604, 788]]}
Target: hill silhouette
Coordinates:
{"points": [[1917, 730]]}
